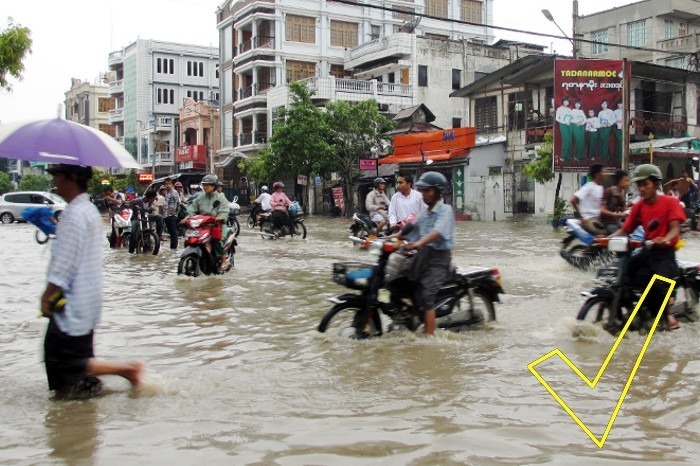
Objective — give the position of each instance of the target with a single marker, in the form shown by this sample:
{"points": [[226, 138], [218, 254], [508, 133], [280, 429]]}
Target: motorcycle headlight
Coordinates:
{"points": [[376, 248], [195, 223]]}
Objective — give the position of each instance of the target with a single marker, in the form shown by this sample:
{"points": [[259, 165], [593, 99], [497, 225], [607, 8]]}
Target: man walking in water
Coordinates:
{"points": [[72, 299]]}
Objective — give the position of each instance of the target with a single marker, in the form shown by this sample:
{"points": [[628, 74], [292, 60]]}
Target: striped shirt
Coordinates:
{"points": [[76, 266], [172, 202]]}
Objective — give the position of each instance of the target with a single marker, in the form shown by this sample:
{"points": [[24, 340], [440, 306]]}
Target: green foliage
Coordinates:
{"points": [[15, 44], [95, 186], [5, 184], [560, 206], [131, 180], [541, 169], [258, 168], [31, 182]]}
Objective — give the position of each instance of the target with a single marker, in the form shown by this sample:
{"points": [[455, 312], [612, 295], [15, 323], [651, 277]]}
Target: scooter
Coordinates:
{"points": [[579, 247], [233, 212], [121, 228], [294, 227], [466, 301], [198, 255]]}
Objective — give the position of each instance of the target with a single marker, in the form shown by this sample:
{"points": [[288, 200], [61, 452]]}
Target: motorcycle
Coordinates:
{"points": [[43, 219], [232, 221], [465, 301], [580, 249], [121, 228], [198, 255], [253, 210], [142, 238], [612, 299], [295, 225]]}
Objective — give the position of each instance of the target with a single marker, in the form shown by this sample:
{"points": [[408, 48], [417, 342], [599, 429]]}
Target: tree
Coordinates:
{"points": [[541, 171], [95, 186], [5, 183], [354, 128], [31, 182], [15, 44]]}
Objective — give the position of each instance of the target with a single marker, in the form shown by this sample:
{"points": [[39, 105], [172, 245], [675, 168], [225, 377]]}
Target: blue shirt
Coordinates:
{"points": [[440, 218], [76, 266]]}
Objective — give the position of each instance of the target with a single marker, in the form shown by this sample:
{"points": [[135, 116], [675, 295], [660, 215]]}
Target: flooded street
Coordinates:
{"points": [[238, 374]]}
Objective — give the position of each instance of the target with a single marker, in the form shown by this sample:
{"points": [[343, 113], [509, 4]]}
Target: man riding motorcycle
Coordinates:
{"points": [[215, 204], [435, 240], [587, 200], [660, 259], [377, 204], [262, 203]]}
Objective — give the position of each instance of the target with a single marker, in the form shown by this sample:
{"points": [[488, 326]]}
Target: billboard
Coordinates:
{"points": [[588, 128]]}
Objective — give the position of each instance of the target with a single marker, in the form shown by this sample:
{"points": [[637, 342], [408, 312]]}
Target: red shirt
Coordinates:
{"points": [[665, 210]]}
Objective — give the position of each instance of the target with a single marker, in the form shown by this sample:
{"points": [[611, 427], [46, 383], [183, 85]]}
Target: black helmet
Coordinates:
{"points": [[433, 180], [210, 179], [378, 181]]}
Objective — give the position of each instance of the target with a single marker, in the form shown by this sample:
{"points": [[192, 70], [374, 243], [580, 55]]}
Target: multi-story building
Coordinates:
{"points": [[89, 104], [672, 27], [199, 136], [347, 52], [149, 81]]}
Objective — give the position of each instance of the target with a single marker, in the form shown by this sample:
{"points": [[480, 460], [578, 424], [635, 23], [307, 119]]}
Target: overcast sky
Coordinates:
{"points": [[73, 38]]}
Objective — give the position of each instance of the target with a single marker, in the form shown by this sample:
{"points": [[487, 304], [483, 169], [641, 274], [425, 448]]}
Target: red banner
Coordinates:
{"points": [[588, 129], [191, 154]]}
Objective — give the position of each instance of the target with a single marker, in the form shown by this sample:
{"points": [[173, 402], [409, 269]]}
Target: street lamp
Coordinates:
{"points": [[547, 14]]}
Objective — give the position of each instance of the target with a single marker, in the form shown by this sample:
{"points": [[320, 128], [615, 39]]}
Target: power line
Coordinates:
{"points": [[503, 28]]}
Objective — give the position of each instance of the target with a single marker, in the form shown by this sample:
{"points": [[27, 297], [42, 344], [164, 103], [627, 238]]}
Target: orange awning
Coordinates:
{"points": [[434, 155]]}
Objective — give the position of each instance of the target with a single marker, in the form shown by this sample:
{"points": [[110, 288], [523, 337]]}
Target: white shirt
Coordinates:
{"points": [[618, 117], [592, 124], [402, 206], [159, 204], [590, 197], [264, 200], [76, 266], [606, 117], [578, 117], [563, 115]]}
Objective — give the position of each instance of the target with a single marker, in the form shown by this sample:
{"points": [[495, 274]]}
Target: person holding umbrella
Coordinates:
{"points": [[72, 299]]}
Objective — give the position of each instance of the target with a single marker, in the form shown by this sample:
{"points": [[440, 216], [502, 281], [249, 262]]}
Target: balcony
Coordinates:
{"points": [[116, 87], [119, 139], [536, 135], [252, 139], [164, 158], [116, 115], [686, 43], [394, 46], [115, 58], [163, 124], [254, 90], [258, 42], [332, 88], [659, 124]]}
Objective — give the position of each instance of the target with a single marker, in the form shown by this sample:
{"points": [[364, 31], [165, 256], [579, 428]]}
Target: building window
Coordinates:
{"points": [[402, 16], [391, 77], [436, 8], [300, 29], [676, 63], [172, 96], [422, 75], [471, 11], [339, 72], [456, 79], [486, 113], [297, 70], [158, 98], [376, 32], [599, 36], [105, 104], [637, 33], [343, 34], [682, 29], [158, 66], [172, 66], [668, 29], [217, 71], [195, 68], [189, 68], [456, 122]]}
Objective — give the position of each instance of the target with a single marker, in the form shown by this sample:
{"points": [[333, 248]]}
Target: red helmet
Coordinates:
{"points": [[178, 185], [278, 184]]}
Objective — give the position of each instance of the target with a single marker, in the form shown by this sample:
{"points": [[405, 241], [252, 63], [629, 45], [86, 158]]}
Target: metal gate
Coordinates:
{"points": [[508, 191]]}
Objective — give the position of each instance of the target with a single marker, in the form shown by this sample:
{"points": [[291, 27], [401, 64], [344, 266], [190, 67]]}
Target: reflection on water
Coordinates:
{"points": [[239, 375]]}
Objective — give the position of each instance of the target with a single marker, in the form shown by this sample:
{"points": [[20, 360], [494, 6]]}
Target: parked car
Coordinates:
{"points": [[12, 204]]}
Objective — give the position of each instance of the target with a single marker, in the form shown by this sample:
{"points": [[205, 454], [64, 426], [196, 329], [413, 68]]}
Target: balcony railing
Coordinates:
{"points": [[116, 57], [257, 42], [658, 123], [163, 124], [536, 135], [246, 139], [327, 87], [116, 114], [116, 87], [254, 89]]}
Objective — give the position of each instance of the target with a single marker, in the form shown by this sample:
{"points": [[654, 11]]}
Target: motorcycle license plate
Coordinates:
{"points": [[192, 233]]}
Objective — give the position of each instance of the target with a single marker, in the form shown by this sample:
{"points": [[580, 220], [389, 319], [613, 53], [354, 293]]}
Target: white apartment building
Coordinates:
{"points": [[149, 81], [89, 104], [347, 52], [670, 26]]}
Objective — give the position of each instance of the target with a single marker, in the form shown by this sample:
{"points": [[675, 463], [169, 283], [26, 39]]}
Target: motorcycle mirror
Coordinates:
{"points": [[653, 225], [235, 198], [407, 229]]}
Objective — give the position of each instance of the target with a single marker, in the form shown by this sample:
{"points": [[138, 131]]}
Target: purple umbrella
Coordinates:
{"points": [[62, 141]]}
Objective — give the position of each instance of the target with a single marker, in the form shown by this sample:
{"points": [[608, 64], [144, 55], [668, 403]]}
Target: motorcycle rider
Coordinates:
{"points": [[279, 203], [661, 259], [435, 237], [377, 204], [614, 206], [140, 206], [405, 202], [262, 203], [215, 204], [587, 200], [180, 191]]}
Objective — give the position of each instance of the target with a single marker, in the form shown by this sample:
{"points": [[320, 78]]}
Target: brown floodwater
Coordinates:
{"points": [[238, 374]]}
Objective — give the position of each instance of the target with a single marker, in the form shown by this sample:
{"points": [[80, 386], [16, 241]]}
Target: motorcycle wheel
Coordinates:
{"points": [[189, 265], [41, 237], [482, 305], [251, 222], [339, 321], [579, 256], [149, 243], [299, 229], [266, 227], [595, 310], [236, 227], [124, 240]]}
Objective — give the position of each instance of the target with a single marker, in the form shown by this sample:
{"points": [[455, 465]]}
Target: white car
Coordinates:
{"points": [[12, 204]]}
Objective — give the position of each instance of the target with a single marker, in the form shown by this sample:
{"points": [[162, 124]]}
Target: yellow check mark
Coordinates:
{"points": [[592, 383]]}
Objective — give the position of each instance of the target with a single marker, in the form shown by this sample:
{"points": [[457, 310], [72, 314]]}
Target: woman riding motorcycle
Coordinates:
{"points": [[279, 203], [214, 204]]}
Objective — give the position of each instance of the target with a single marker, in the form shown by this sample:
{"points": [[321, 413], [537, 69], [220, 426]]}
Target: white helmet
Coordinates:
{"points": [[264, 188]]}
